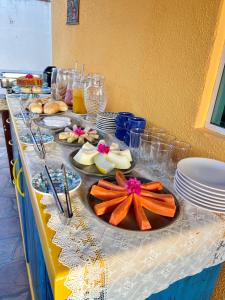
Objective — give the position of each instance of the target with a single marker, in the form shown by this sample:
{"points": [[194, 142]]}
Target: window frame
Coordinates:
{"points": [[208, 125]]}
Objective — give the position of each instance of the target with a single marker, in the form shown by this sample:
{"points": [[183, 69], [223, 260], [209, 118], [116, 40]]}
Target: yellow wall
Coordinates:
{"points": [[155, 55]]}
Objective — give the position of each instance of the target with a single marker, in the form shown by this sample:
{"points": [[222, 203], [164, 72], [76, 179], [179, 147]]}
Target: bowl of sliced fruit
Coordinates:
{"points": [[132, 203], [76, 136], [102, 159]]}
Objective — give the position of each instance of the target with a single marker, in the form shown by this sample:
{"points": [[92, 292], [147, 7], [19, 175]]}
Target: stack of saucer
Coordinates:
{"points": [[201, 181], [106, 121]]}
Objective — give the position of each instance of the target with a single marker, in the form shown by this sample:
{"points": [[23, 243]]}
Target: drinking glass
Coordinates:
{"points": [[61, 84], [180, 151], [53, 83], [94, 96], [78, 93], [145, 150], [69, 88], [135, 134], [161, 154], [154, 130], [164, 137]]}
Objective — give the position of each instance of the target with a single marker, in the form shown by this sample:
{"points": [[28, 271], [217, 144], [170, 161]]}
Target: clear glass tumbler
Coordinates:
{"points": [[145, 153], [180, 151], [164, 137], [135, 134], [161, 154]]}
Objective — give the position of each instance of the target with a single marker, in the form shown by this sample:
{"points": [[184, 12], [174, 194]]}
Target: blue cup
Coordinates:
{"points": [[120, 133], [136, 122], [126, 138], [122, 118]]}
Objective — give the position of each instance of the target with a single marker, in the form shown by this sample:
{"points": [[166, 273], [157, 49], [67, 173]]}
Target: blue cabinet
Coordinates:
{"points": [[197, 287], [33, 250]]}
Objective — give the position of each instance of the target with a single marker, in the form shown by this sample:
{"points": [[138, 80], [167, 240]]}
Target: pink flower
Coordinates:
{"points": [[104, 149], [133, 186], [79, 131], [29, 76]]}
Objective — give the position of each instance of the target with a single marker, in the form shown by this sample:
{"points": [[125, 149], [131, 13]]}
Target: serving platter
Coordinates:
{"points": [[92, 170], [75, 144], [40, 122], [157, 222]]}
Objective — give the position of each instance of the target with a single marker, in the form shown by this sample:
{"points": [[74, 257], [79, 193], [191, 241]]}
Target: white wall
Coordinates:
{"points": [[25, 35]]}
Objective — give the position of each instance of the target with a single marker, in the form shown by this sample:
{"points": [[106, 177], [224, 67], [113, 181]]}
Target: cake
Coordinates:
{"points": [[29, 80]]}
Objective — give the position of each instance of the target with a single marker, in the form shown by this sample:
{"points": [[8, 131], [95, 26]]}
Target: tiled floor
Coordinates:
{"points": [[13, 274]]}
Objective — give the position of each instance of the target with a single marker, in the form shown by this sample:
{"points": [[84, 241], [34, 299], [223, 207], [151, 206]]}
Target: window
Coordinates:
{"points": [[216, 115]]}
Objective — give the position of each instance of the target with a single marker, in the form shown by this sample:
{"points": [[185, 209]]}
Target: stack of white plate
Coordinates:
{"points": [[201, 181], [106, 121]]}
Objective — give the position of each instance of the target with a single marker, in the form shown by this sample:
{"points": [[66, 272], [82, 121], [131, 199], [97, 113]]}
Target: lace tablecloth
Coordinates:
{"points": [[110, 263]]}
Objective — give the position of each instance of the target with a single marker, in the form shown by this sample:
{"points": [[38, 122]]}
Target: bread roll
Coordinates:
{"points": [[36, 108], [45, 100], [62, 106], [37, 101], [51, 108]]}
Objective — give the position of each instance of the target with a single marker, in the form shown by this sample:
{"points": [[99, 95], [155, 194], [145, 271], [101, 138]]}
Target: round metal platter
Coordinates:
{"points": [[129, 223], [92, 170]]}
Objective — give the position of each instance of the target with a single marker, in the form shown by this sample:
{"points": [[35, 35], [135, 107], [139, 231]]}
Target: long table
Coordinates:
{"points": [[92, 260]]}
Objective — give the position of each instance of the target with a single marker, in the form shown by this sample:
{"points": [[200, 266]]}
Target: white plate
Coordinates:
{"points": [[106, 128], [105, 124], [196, 191], [198, 204], [206, 172], [107, 115], [106, 120], [199, 187], [195, 197]]}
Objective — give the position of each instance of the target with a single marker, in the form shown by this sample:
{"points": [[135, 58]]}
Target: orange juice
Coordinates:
{"points": [[78, 101]]}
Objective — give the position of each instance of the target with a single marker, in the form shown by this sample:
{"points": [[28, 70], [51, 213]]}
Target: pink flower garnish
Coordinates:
{"points": [[29, 76], [104, 149], [133, 186], [79, 131]]}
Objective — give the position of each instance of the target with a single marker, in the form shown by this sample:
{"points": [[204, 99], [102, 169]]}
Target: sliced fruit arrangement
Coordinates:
{"points": [[126, 194], [106, 158], [78, 135]]}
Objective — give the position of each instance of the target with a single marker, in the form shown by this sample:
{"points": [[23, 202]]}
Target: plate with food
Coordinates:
{"points": [[102, 159], [45, 138], [46, 106], [53, 122], [26, 114], [77, 136], [132, 203], [41, 185]]}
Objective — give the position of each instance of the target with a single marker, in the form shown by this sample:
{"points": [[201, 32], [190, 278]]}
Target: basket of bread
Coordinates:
{"points": [[46, 106]]}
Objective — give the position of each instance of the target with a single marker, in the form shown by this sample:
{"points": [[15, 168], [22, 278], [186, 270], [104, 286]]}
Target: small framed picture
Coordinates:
{"points": [[73, 12]]}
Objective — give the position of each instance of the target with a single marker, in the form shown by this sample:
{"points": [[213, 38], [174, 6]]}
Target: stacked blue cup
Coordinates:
{"points": [[121, 121], [133, 122], [125, 121]]}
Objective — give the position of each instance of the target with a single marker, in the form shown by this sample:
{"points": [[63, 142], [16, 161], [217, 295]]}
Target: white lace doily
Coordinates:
{"points": [[110, 263]]}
